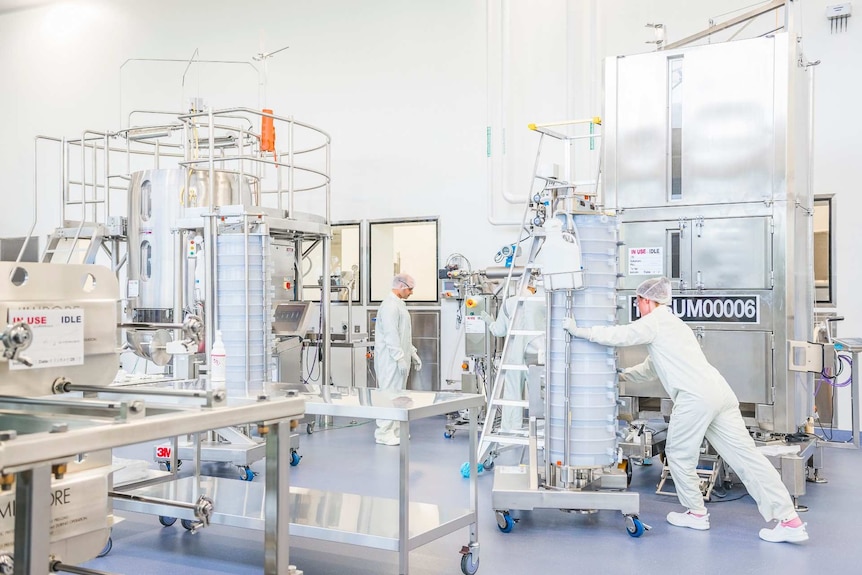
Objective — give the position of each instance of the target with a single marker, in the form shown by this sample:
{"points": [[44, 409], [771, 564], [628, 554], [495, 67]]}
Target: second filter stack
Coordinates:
{"points": [[244, 304], [591, 419]]}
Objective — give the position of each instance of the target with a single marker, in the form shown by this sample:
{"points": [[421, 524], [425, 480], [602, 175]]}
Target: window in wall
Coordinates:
{"points": [[674, 255], [404, 247], [344, 265], [824, 256], [674, 76]]}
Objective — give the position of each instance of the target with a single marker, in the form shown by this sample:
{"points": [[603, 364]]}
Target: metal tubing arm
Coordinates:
{"points": [[60, 567], [113, 410], [215, 395], [774, 5], [256, 113], [199, 507], [144, 325], [593, 120]]}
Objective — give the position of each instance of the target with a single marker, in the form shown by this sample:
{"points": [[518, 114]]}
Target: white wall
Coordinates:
{"points": [[406, 88]]}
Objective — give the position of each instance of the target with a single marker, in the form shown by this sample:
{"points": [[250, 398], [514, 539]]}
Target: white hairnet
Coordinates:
{"points": [[402, 281], [655, 289]]}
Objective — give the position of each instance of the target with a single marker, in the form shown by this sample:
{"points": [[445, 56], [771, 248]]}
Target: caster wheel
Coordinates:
{"points": [[504, 521], [247, 474], [167, 521], [107, 548], [295, 458], [488, 463], [469, 564], [187, 524], [309, 429], [634, 527], [448, 434]]}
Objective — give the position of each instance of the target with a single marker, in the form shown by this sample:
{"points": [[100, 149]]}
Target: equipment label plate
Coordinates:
{"points": [[646, 262], [710, 308], [58, 336], [474, 324], [79, 504]]}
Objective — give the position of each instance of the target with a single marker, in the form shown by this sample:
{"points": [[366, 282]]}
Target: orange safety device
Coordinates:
{"points": [[267, 132]]}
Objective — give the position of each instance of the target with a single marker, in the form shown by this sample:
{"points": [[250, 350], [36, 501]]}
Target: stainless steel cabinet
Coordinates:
{"points": [[705, 253], [737, 355], [426, 340], [727, 124]]}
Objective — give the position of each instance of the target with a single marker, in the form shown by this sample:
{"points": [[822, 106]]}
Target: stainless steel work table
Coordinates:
{"points": [[429, 521], [345, 517], [68, 428]]}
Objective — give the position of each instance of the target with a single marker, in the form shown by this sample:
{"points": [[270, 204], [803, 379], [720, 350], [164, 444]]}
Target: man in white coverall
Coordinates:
{"points": [[393, 350], [531, 318], [704, 405]]}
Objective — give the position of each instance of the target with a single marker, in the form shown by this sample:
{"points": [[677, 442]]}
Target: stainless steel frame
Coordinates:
{"points": [[31, 454], [399, 525], [853, 345]]}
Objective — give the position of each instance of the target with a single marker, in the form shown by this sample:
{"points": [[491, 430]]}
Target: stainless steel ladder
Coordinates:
{"points": [[493, 438], [76, 243]]}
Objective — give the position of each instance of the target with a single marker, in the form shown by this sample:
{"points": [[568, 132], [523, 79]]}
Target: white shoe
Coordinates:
{"points": [[689, 520], [783, 534], [388, 441]]}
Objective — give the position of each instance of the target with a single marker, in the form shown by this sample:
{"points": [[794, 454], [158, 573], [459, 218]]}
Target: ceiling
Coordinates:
{"points": [[13, 5]]}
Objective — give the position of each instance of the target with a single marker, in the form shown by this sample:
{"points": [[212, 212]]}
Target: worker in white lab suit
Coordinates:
{"points": [[532, 318], [393, 350], [704, 405]]}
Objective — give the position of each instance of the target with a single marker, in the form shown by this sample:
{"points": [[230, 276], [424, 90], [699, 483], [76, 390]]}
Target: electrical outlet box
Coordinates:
{"points": [[839, 10]]}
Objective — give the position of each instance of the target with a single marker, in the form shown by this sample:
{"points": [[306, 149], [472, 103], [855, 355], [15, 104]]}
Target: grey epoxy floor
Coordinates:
{"points": [[543, 541]]}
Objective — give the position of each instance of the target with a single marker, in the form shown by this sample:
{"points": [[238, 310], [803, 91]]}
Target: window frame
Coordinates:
{"points": [[832, 300], [359, 291], [370, 255]]}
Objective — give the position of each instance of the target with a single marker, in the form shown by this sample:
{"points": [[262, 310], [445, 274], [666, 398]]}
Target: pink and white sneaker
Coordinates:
{"points": [[783, 534]]}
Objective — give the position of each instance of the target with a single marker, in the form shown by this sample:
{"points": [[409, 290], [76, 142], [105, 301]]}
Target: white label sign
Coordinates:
{"points": [[58, 336], [474, 324], [133, 288], [512, 469], [78, 505], [646, 262]]}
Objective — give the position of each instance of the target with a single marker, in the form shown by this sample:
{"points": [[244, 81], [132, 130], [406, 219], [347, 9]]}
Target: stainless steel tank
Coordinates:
{"points": [[157, 199]]}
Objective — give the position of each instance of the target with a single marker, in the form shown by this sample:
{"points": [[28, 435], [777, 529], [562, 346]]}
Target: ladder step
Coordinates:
{"points": [[505, 439], [527, 332], [510, 402], [531, 298]]}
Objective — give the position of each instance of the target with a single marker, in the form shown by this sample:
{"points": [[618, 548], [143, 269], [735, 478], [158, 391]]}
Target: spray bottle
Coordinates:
{"points": [[218, 363]]}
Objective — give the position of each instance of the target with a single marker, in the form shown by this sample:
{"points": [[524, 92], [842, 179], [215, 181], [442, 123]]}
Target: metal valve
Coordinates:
{"points": [[16, 338], [204, 510], [193, 329], [7, 564]]}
